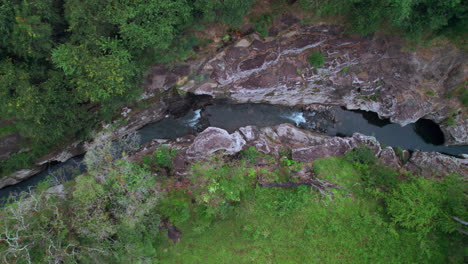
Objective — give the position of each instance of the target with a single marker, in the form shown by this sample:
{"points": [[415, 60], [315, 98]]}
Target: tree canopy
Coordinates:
{"points": [[61, 60]]}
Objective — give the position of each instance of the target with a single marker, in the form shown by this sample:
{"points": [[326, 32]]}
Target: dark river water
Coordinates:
{"points": [[423, 135]]}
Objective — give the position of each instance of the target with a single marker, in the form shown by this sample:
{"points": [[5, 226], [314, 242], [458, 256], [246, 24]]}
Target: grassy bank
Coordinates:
{"points": [[223, 211]]}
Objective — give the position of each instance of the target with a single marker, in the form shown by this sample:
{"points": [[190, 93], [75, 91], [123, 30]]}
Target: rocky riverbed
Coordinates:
{"points": [[304, 146], [376, 73]]}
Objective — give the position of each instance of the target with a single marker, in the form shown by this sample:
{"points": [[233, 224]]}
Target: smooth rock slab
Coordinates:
{"points": [[214, 139], [430, 164]]}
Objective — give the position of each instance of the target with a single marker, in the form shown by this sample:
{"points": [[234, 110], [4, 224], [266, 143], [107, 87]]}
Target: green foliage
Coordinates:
{"points": [[414, 17], [250, 155], [218, 183], [161, 158], [362, 155], [294, 226], [107, 216], [283, 201], [217, 186], [400, 154], [425, 205], [373, 174], [230, 12], [96, 75], [262, 23], [316, 59], [113, 215], [345, 69], [66, 65], [175, 207]]}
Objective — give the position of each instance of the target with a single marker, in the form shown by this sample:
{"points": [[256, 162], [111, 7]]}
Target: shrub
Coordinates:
{"points": [[175, 207], [230, 12], [400, 154], [99, 152], [262, 23], [217, 184], [363, 155], [316, 59], [414, 18], [425, 205], [250, 155], [464, 97], [161, 159]]}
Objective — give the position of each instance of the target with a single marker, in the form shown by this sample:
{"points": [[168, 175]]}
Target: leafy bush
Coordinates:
{"points": [[175, 207], [425, 205], [230, 12], [363, 155], [415, 18], [464, 97], [217, 184], [94, 219], [161, 158], [373, 174], [67, 65], [316, 59], [262, 23], [250, 155]]}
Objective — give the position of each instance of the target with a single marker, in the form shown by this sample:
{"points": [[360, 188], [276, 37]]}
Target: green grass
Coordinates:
{"points": [[298, 225], [294, 226], [225, 216]]}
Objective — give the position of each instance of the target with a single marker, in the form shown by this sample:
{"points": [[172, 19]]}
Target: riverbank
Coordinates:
{"points": [[371, 74]]}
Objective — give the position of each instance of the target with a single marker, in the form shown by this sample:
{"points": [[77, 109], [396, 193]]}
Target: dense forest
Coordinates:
{"points": [[67, 66]]}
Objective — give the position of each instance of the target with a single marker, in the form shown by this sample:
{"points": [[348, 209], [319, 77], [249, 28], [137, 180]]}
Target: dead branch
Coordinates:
{"points": [[459, 220], [321, 186]]}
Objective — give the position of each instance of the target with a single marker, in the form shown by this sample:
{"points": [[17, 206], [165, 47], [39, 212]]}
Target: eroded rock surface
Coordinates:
{"points": [[374, 74], [214, 139], [306, 146], [432, 163], [19, 176]]}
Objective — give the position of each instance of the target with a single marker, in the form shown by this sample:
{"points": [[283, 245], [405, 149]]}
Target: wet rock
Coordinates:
{"points": [[19, 176], [457, 134], [71, 151], [305, 145], [389, 157], [367, 141], [430, 164], [329, 148], [150, 114], [206, 88]]}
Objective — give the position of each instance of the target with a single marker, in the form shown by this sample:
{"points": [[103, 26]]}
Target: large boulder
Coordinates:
{"points": [[215, 139], [430, 164]]}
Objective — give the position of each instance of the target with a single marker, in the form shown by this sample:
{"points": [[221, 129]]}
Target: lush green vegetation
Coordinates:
{"points": [[66, 65], [119, 212], [316, 59], [414, 18]]}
